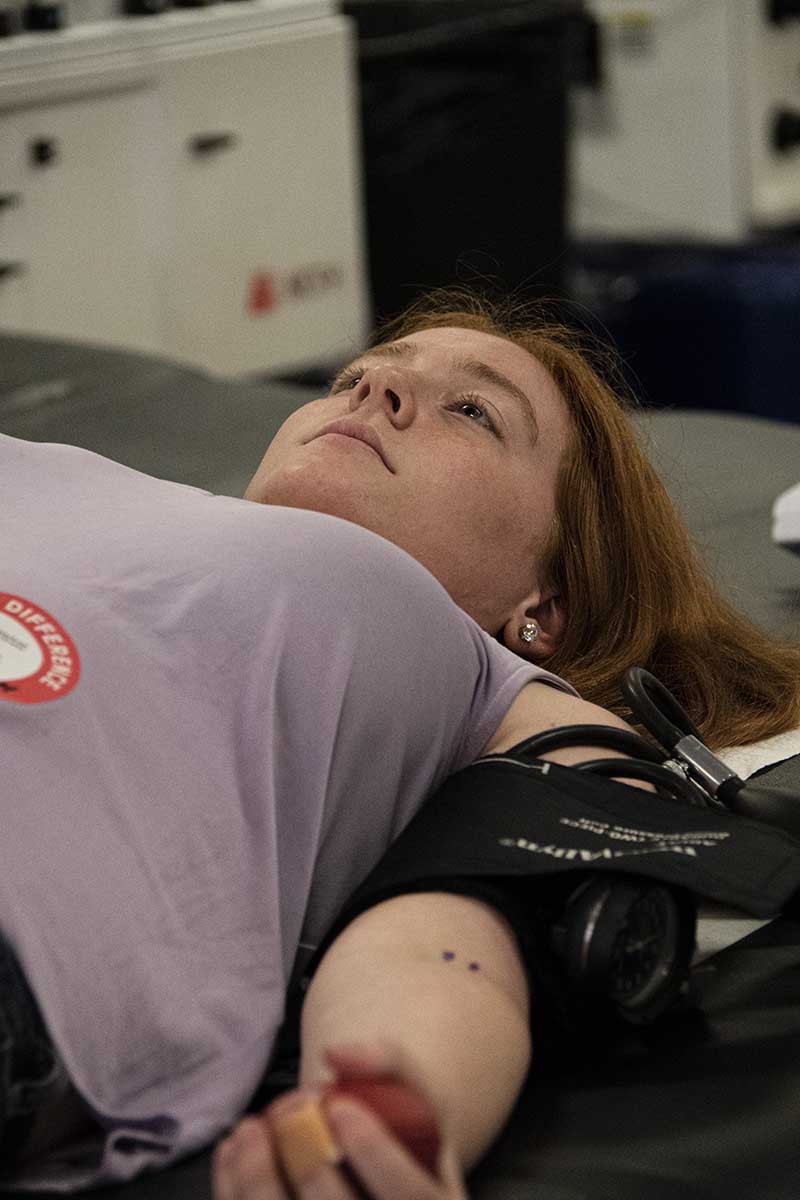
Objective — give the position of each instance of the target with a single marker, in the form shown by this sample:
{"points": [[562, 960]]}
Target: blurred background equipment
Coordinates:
{"points": [[183, 181], [251, 186], [692, 129], [685, 200], [464, 119], [698, 326]]}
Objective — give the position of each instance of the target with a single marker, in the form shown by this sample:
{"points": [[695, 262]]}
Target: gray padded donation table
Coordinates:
{"points": [[707, 1109]]}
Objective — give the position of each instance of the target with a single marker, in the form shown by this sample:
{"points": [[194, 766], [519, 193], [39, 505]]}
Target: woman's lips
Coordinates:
{"points": [[357, 431], [349, 437]]}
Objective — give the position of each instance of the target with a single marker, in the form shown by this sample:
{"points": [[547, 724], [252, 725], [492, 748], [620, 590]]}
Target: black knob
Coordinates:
{"points": [[145, 8], [779, 11], [203, 144], [786, 130], [39, 17], [43, 151]]}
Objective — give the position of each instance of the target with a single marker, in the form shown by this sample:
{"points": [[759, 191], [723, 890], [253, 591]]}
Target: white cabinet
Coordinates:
{"points": [[13, 241], [80, 230], [203, 200], [267, 233], [678, 139]]}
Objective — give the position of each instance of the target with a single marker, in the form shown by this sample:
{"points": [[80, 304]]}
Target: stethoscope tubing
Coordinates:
{"points": [[645, 761]]}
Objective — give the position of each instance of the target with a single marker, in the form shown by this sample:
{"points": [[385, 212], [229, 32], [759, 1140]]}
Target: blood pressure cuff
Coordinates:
{"points": [[522, 834]]}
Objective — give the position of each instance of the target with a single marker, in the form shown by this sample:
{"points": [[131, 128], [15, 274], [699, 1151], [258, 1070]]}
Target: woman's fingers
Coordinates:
{"points": [[303, 1140], [359, 1159], [344, 1153], [380, 1163], [310, 1157], [221, 1187], [244, 1167]]}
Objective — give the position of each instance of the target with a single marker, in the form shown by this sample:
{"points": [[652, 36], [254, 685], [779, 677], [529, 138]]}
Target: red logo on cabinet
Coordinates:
{"points": [[266, 290], [261, 294]]}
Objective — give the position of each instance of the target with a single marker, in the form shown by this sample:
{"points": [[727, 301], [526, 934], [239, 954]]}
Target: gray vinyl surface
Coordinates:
{"points": [[724, 472], [152, 414]]}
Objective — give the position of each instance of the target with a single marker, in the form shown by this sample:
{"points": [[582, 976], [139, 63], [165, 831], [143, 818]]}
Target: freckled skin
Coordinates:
{"points": [[474, 508]]}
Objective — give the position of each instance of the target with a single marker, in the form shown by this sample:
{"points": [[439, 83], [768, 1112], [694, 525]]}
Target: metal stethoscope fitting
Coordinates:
{"points": [[666, 720]]}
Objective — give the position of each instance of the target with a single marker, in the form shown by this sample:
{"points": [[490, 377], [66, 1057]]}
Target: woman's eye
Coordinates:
{"points": [[469, 402], [344, 380]]}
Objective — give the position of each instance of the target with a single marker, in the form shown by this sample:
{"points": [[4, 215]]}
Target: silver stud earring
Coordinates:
{"points": [[529, 631]]}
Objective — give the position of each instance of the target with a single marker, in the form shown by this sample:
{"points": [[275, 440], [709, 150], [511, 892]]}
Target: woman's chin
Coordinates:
{"points": [[336, 497]]}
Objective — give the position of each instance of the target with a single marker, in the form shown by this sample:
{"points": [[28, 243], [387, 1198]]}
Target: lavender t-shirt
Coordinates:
{"points": [[214, 718]]}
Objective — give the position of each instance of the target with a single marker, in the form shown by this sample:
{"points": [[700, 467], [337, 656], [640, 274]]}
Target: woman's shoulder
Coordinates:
{"points": [[541, 706]]}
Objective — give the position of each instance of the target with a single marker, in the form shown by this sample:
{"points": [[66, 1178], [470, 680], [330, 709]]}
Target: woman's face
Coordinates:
{"points": [[466, 481]]}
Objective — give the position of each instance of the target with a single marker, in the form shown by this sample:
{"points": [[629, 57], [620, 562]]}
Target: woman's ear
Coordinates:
{"points": [[550, 617]]}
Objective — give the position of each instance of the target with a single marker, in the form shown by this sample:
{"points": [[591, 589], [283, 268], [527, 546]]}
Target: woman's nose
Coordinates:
{"points": [[380, 389]]}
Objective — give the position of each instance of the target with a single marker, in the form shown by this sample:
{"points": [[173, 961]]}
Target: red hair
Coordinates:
{"points": [[635, 588]]}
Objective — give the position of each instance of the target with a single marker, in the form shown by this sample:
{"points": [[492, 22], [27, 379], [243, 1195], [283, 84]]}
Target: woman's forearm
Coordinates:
{"points": [[439, 975]]}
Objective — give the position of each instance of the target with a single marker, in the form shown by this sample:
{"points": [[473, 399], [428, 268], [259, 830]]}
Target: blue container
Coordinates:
{"points": [[699, 327]]}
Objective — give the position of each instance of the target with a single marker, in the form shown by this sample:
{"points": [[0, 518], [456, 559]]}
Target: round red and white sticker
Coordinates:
{"points": [[38, 658]]}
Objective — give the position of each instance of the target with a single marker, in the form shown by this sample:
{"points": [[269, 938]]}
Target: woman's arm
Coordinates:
{"points": [[403, 971], [440, 976], [438, 979]]}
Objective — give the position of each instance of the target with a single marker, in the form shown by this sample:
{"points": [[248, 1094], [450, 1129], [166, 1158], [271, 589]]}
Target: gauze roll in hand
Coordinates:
{"points": [[303, 1132]]}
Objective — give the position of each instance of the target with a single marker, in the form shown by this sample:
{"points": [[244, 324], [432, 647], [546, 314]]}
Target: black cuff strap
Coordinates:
{"points": [[523, 835]]}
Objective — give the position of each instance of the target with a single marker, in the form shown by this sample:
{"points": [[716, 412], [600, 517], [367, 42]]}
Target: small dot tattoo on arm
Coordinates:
{"points": [[448, 956]]}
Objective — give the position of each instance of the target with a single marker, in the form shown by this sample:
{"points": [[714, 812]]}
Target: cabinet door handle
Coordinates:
{"points": [[786, 131], [43, 151], [9, 269], [211, 143]]}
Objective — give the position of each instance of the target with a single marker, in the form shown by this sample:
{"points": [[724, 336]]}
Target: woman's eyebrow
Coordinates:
{"points": [[475, 369]]}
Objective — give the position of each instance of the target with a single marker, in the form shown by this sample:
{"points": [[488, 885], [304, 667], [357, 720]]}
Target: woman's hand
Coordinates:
{"points": [[249, 1164]]}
